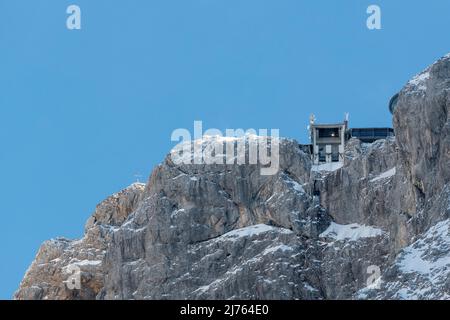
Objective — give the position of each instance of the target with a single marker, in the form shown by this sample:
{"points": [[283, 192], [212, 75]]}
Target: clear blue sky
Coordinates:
{"points": [[82, 111]]}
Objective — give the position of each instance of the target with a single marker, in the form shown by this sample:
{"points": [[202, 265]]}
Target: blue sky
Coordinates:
{"points": [[81, 112]]}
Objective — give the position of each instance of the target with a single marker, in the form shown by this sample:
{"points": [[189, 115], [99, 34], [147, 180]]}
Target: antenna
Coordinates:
{"points": [[312, 118]]}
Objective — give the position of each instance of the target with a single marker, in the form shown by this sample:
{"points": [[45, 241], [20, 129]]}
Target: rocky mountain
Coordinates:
{"points": [[376, 228]]}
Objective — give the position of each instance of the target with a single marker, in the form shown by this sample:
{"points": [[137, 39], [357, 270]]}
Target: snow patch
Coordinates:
{"points": [[327, 167], [176, 212], [252, 231], [294, 184], [350, 232], [83, 263], [281, 247], [179, 176], [137, 185], [88, 263], [423, 268], [385, 175]]}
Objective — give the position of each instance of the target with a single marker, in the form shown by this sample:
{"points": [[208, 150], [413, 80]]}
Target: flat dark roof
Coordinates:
{"points": [[373, 128]]}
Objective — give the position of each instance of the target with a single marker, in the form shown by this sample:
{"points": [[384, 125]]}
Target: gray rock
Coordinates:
{"points": [[227, 232]]}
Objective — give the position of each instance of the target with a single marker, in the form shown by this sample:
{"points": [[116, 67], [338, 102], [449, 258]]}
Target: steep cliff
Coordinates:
{"points": [[227, 232]]}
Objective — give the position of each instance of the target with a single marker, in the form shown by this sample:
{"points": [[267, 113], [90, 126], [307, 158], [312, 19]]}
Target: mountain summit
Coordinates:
{"points": [[376, 228]]}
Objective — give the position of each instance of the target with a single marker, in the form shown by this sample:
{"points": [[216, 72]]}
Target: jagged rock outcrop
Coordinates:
{"points": [[422, 125], [419, 272], [216, 231], [57, 259]]}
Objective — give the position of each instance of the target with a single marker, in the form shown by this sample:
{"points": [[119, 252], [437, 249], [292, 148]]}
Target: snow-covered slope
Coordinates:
{"points": [[420, 271]]}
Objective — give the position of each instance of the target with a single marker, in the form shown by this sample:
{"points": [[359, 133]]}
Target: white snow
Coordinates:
{"points": [[419, 78], [193, 151], [424, 268], [298, 187], [419, 81], [281, 247], [179, 176], [212, 140], [88, 263], [137, 185], [252, 230], [412, 262], [385, 175], [245, 264], [70, 267], [415, 260], [294, 184], [176, 212], [270, 198], [350, 232], [309, 287], [328, 167]]}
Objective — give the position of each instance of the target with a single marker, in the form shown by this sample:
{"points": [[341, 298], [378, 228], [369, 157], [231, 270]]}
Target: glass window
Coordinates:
{"points": [[328, 132]]}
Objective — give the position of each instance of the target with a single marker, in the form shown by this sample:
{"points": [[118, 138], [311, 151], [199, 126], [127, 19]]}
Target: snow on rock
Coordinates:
{"points": [[293, 184], [88, 263], [83, 263], [252, 231], [281, 247], [385, 175], [191, 151], [420, 271], [327, 167], [190, 251], [176, 212], [350, 232]]}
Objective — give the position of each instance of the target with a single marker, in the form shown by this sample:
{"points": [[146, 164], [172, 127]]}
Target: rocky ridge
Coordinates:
{"points": [[227, 232]]}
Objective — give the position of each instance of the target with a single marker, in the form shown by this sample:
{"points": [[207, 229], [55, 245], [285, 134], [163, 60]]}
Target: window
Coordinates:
{"points": [[335, 153], [322, 157], [328, 132]]}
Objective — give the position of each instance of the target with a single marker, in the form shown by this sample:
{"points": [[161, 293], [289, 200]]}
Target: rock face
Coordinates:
{"points": [[378, 227]]}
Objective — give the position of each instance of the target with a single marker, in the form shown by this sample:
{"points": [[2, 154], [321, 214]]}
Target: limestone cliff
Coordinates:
{"points": [[228, 232]]}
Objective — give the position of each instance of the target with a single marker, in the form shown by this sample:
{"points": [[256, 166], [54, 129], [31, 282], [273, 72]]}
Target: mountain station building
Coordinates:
{"points": [[328, 140]]}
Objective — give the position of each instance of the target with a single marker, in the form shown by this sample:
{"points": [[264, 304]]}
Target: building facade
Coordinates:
{"points": [[328, 140]]}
